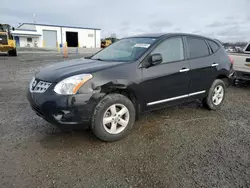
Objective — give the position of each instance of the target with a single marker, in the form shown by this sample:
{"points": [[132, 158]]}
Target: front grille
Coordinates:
{"points": [[3, 39], [37, 86]]}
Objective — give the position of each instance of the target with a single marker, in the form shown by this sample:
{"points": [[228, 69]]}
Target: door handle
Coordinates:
{"points": [[214, 64], [184, 70]]}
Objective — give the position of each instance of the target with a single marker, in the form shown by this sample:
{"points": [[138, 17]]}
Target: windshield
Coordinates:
{"points": [[128, 49]]}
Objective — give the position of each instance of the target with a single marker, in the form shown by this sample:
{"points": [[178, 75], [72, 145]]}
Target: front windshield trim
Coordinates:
{"points": [[135, 48]]}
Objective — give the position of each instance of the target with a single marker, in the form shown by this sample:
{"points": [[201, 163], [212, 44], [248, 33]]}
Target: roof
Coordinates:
{"points": [[153, 35], [57, 26], [157, 35]]}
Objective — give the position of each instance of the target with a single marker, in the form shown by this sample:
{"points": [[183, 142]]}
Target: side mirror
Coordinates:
{"points": [[155, 59], [13, 29]]}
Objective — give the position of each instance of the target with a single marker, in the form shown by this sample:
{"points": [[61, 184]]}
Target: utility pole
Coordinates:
{"points": [[34, 18]]}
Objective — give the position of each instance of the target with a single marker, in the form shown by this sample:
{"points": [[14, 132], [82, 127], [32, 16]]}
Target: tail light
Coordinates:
{"points": [[231, 60]]}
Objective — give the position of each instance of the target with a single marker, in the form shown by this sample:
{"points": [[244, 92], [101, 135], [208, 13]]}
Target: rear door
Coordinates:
{"points": [[202, 65], [167, 82]]}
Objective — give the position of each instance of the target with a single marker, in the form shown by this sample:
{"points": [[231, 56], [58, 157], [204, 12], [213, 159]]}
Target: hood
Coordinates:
{"points": [[61, 70]]}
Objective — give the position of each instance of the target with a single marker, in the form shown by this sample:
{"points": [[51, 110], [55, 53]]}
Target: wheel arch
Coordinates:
{"points": [[225, 78], [126, 91]]}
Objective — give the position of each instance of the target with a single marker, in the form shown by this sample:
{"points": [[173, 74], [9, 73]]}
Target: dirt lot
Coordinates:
{"points": [[182, 146]]}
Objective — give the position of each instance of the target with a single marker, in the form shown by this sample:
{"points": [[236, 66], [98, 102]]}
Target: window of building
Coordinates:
{"points": [[171, 50], [197, 47], [90, 35], [29, 39]]}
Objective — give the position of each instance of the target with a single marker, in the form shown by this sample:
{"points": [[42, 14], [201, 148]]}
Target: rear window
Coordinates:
{"points": [[248, 48], [214, 46], [197, 47]]}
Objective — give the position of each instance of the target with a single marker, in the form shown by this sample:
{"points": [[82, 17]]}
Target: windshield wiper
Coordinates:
{"points": [[98, 59]]}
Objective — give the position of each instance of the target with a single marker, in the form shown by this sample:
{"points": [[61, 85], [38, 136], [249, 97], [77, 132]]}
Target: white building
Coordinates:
{"points": [[52, 36]]}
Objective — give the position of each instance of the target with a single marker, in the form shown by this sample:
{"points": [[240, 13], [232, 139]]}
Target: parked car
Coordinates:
{"points": [[230, 49], [241, 68], [109, 90]]}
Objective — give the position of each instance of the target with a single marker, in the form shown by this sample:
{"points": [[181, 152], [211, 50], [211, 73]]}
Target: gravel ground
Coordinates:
{"points": [[181, 146]]}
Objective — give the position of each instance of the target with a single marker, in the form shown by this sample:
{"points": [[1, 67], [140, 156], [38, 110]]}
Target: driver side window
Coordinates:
{"points": [[171, 50]]}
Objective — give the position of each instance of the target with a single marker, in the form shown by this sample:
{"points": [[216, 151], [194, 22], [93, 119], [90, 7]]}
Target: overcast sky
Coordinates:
{"points": [[227, 20]]}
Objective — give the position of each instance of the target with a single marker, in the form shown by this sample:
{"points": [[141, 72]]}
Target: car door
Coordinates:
{"points": [[202, 65], [167, 82]]}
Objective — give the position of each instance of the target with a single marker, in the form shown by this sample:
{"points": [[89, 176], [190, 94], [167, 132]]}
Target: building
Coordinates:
{"points": [[52, 36]]}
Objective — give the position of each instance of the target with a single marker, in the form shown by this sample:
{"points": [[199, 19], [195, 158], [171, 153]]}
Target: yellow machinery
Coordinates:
{"points": [[108, 41], [105, 43], [7, 42]]}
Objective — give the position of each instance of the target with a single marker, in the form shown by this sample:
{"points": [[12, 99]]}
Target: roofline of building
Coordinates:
{"points": [[21, 34], [20, 29], [58, 26]]}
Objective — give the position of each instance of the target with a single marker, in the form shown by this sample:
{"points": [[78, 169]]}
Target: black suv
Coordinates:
{"points": [[109, 90]]}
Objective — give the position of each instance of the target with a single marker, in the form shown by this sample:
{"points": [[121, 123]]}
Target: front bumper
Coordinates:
{"points": [[6, 48], [74, 111], [241, 75]]}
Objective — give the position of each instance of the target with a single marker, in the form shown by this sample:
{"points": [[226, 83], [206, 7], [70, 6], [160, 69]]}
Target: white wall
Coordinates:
{"points": [[98, 39], [40, 31], [83, 35], [24, 43]]}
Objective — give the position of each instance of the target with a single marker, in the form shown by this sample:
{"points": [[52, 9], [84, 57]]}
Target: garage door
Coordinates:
{"points": [[49, 38]]}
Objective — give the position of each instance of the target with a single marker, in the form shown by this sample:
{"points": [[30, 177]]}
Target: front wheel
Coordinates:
{"points": [[113, 118], [216, 95], [12, 52]]}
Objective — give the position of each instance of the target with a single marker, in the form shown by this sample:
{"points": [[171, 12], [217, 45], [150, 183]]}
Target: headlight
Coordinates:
{"points": [[71, 84]]}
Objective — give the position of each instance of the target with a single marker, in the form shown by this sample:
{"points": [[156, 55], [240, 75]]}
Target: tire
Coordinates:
{"points": [[12, 52], [235, 82], [215, 104], [104, 109]]}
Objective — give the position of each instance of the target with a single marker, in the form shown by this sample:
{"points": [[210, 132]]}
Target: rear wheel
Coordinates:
{"points": [[113, 118], [216, 95]]}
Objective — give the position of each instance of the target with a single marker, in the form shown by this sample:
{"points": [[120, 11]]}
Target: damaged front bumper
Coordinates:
{"points": [[66, 111]]}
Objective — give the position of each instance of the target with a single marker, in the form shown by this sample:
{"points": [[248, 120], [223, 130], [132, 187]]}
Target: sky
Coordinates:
{"points": [[226, 20]]}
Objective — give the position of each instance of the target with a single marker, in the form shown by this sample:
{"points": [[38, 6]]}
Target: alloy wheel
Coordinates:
{"points": [[218, 95], [116, 118]]}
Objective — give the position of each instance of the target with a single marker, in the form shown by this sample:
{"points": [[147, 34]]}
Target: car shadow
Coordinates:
{"points": [[242, 84], [57, 139], [3, 54]]}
